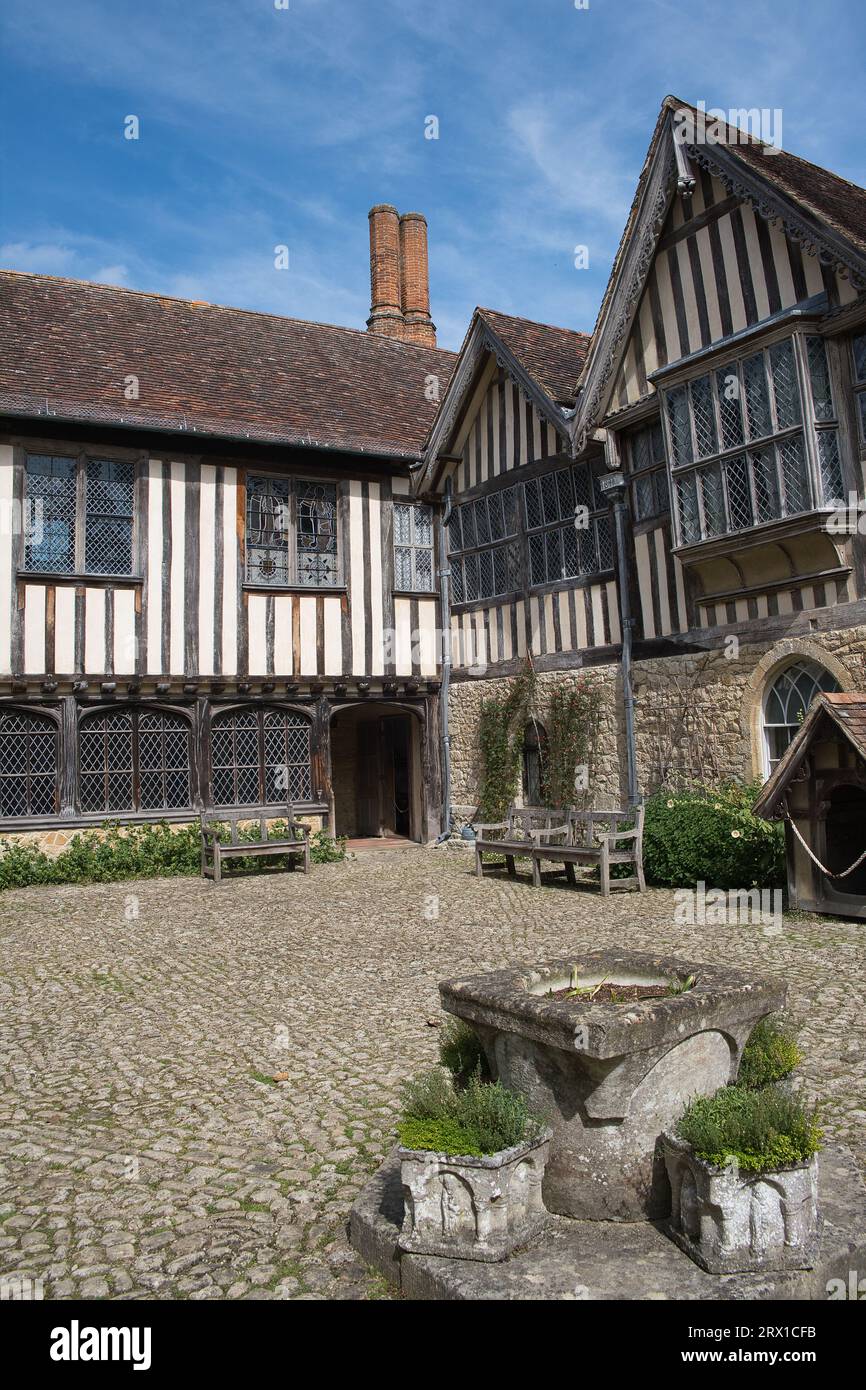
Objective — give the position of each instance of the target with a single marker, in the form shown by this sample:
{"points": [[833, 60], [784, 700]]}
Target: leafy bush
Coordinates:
{"points": [[460, 1051], [759, 1130], [770, 1054], [481, 1118], [709, 835], [135, 851]]}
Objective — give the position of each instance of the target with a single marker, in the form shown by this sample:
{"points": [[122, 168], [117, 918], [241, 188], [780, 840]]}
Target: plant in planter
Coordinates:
{"points": [[770, 1055], [472, 1159], [743, 1171]]}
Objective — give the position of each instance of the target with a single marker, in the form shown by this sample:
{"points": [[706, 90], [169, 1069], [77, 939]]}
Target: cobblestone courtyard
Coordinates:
{"points": [[147, 1150]]}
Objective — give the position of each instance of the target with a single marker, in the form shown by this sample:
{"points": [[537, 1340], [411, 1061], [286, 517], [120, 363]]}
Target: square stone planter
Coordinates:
{"points": [[473, 1208], [610, 1078], [731, 1223]]}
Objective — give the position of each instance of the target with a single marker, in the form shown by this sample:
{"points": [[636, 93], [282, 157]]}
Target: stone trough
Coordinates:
{"points": [[609, 1079]]}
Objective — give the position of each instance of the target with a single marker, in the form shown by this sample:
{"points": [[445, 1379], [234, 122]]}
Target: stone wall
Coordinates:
{"points": [[53, 841], [697, 716]]}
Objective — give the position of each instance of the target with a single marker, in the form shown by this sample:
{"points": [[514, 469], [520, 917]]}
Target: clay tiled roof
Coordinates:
{"points": [[67, 347], [553, 357]]}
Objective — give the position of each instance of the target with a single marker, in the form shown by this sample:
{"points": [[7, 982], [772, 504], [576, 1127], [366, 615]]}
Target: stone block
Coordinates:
{"points": [[730, 1222], [473, 1208]]}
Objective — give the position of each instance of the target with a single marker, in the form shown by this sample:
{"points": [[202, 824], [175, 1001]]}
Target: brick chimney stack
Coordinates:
{"points": [[399, 287], [414, 280]]}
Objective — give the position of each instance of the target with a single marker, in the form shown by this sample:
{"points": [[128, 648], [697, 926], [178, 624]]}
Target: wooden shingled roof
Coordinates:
{"points": [[846, 711], [69, 346]]}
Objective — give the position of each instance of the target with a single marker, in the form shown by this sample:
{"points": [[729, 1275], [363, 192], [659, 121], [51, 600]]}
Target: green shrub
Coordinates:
{"points": [[135, 851], [709, 835], [480, 1118], [770, 1054], [759, 1130], [460, 1051]]}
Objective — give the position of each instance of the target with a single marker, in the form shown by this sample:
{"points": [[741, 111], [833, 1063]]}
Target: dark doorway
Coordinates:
{"points": [[846, 838], [372, 773]]}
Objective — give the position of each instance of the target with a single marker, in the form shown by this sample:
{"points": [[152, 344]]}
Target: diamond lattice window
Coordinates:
{"points": [[568, 528], [648, 469], [28, 764], [484, 554], [260, 758], [858, 347], [79, 515], [765, 452], [134, 760], [413, 547]]}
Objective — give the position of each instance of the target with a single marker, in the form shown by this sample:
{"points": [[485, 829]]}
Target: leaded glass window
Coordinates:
{"points": [[267, 531], [317, 533], [739, 450], [567, 525], [859, 351], [28, 764], [413, 547], [786, 704], [260, 758], [648, 468], [291, 533], [484, 552], [134, 759], [55, 543]]}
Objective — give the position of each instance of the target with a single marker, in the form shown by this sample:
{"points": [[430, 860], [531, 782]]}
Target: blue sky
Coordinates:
{"points": [[262, 127]]}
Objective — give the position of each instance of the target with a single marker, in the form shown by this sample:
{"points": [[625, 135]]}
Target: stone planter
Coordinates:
{"points": [[473, 1208], [610, 1078], [731, 1223]]}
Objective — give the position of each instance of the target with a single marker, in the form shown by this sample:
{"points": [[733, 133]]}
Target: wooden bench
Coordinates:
{"points": [[571, 837], [214, 850], [516, 837], [594, 837]]}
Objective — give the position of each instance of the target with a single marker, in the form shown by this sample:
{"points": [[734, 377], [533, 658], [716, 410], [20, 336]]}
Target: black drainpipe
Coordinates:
{"points": [[445, 628], [614, 486]]}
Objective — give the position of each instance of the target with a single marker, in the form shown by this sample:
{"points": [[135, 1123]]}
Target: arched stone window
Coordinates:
{"points": [[786, 700], [28, 763], [534, 765], [134, 759], [260, 757]]}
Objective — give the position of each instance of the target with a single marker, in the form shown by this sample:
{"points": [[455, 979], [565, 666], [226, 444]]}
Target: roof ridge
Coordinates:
{"points": [[539, 323], [225, 308]]}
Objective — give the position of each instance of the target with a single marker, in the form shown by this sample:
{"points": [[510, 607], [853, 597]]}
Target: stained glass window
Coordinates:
{"points": [[291, 533], [317, 533]]}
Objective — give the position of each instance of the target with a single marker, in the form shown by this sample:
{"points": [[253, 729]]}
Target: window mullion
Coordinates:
{"points": [[80, 512], [804, 382]]}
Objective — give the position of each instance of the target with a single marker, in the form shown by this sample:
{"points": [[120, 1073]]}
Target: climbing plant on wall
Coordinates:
{"points": [[572, 729], [500, 733], [570, 719]]}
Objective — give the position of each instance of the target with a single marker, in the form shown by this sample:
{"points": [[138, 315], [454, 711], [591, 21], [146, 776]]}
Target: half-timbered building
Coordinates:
{"points": [[724, 391], [215, 586]]}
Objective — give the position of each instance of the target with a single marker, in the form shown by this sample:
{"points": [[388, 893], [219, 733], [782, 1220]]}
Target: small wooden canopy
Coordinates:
{"points": [[848, 714]]}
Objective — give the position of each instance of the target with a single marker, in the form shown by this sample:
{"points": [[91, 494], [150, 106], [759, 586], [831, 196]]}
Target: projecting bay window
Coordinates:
{"points": [[568, 527], [291, 533], [753, 441], [484, 551], [859, 347], [78, 515], [648, 470], [413, 547]]}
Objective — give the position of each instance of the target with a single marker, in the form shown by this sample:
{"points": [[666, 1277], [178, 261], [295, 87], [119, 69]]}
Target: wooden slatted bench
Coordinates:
{"points": [[517, 837], [214, 850], [594, 837]]}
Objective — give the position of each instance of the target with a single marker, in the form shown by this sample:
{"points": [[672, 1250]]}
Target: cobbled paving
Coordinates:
{"points": [[148, 1151]]}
